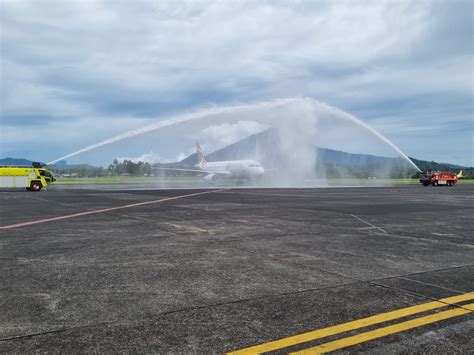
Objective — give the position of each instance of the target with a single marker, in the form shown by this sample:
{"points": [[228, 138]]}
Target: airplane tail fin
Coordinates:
{"points": [[460, 175], [201, 161]]}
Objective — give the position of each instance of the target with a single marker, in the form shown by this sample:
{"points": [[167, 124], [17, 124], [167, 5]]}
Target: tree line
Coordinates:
{"points": [[118, 168], [129, 167], [386, 170]]}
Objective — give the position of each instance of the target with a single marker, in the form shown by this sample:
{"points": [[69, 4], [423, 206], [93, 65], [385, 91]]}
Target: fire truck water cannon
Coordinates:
{"points": [[440, 178]]}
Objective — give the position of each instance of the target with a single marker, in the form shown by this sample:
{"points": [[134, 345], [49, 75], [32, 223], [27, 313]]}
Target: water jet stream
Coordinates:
{"points": [[174, 121], [311, 106], [378, 135]]}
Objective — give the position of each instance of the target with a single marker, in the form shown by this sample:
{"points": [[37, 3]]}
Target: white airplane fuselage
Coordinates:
{"points": [[232, 169]]}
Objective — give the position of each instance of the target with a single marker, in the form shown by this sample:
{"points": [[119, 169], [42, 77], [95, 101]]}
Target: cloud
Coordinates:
{"points": [[187, 153], [218, 136], [228, 133], [150, 157], [66, 64]]}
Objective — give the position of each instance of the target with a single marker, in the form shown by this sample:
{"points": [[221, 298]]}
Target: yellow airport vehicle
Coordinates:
{"points": [[32, 178]]}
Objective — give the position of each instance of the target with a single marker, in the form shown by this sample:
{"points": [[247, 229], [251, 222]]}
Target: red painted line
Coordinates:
{"points": [[80, 214]]}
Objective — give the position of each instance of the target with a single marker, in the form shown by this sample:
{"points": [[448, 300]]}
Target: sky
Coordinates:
{"points": [[80, 71]]}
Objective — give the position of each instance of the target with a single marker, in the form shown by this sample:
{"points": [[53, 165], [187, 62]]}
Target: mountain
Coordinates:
{"points": [[15, 162], [64, 167], [263, 143], [337, 157], [266, 148], [61, 165], [434, 166]]}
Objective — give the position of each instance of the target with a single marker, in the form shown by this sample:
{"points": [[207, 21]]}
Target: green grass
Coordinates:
{"points": [[354, 181], [384, 181], [110, 180]]}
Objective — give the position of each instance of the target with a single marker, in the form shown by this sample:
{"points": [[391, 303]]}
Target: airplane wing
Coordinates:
{"points": [[206, 172]]}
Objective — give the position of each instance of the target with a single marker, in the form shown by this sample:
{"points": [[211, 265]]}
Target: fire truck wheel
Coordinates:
{"points": [[35, 186]]}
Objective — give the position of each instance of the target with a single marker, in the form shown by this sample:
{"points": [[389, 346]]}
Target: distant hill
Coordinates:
{"points": [[337, 157], [15, 162], [67, 167], [259, 144], [61, 165], [434, 166], [265, 147]]}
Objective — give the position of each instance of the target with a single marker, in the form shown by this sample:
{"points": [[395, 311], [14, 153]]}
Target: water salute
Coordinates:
{"points": [[240, 177]]}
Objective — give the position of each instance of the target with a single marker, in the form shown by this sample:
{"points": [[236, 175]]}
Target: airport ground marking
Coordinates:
{"points": [[103, 210], [356, 324], [370, 224], [385, 331]]}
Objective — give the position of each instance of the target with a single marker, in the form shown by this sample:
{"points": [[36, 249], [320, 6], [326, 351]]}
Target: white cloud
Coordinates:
{"points": [[228, 133], [218, 136], [76, 62], [185, 154], [150, 157], [170, 48]]}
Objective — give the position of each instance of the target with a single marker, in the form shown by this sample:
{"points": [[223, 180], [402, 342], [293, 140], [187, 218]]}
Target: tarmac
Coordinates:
{"points": [[366, 270]]}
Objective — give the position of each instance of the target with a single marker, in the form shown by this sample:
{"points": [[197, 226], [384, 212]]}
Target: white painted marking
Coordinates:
{"points": [[87, 213], [369, 224]]}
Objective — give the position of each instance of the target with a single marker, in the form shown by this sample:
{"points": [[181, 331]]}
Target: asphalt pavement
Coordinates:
{"points": [[373, 269]]}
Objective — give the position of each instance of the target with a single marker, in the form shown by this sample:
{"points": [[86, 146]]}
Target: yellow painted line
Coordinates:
{"points": [[356, 324], [469, 306], [197, 230], [383, 332]]}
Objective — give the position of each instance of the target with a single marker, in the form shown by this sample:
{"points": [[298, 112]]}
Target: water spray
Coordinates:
{"points": [[378, 135], [175, 121], [189, 117]]}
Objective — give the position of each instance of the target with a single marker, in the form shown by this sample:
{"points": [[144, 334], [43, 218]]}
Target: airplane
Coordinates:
{"points": [[460, 175], [239, 170]]}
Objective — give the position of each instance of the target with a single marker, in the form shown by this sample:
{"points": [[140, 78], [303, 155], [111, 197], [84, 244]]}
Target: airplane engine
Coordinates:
{"points": [[211, 178]]}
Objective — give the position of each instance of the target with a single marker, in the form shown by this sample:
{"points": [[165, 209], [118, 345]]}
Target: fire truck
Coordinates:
{"points": [[33, 178], [440, 178]]}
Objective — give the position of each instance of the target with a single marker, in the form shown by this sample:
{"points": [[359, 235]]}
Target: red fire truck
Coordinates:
{"points": [[440, 178]]}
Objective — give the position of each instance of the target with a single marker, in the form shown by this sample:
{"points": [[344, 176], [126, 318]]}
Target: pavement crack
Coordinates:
{"points": [[415, 294], [299, 264], [372, 281], [55, 331], [181, 310]]}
